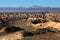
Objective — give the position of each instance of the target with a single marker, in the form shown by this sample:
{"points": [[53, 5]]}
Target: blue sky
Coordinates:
{"points": [[27, 3]]}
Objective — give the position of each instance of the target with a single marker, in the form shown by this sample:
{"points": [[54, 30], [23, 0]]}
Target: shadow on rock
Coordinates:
{"points": [[47, 30], [11, 29]]}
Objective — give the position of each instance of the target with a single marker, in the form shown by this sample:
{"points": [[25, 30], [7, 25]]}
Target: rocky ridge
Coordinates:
{"points": [[28, 25]]}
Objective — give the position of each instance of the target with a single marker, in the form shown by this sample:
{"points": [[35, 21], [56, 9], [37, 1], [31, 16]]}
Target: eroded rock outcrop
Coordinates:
{"points": [[30, 24]]}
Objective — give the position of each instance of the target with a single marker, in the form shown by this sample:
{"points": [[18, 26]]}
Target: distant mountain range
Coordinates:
{"points": [[33, 8]]}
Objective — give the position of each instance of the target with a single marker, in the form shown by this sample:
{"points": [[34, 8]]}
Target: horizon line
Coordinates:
{"points": [[30, 6]]}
